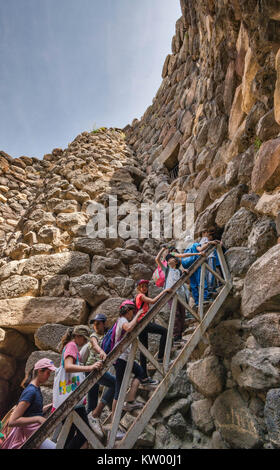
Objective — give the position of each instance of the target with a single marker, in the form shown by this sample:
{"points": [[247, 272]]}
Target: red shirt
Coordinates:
{"points": [[141, 305]]}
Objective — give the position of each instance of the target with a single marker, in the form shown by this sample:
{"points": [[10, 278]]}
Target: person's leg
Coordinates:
{"points": [[92, 398], [143, 338], [78, 439], [108, 380], [194, 287], [48, 444], [139, 376], [156, 329]]}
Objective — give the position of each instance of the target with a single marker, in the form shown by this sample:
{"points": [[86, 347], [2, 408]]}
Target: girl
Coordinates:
{"points": [[126, 323], [108, 380], [143, 302], [28, 415], [70, 344]]}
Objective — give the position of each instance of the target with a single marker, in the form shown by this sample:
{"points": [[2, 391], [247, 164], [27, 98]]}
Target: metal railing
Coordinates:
{"points": [[167, 371]]}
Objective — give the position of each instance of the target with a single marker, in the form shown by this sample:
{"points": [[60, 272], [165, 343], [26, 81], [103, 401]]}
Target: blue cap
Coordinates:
{"points": [[99, 317]]}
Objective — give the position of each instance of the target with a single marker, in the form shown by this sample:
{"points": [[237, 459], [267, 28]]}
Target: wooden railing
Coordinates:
{"points": [[168, 372]]}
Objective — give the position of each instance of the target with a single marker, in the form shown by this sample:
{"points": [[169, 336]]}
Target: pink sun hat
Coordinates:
{"points": [[45, 364], [128, 302]]}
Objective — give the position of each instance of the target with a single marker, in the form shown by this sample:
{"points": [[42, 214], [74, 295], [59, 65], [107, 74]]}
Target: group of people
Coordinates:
{"points": [[81, 353]]}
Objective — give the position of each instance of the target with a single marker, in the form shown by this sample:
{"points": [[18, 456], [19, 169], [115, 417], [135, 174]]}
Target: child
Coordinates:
{"points": [[28, 414], [126, 322], [195, 278], [143, 302], [172, 274], [74, 339], [108, 380]]}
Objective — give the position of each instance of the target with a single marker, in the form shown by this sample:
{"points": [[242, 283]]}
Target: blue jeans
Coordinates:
{"points": [[195, 283], [120, 366], [108, 380]]}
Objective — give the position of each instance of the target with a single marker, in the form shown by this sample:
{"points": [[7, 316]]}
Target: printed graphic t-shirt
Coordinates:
{"points": [[32, 395]]}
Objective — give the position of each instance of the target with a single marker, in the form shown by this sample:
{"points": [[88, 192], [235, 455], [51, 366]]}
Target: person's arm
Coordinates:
{"points": [[70, 366], [47, 407], [148, 300], [128, 326], [97, 348], [187, 255], [18, 421], [158, 258]]}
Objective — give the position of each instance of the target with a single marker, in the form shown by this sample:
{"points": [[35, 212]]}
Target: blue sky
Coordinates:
{"points": [[70, 65]]}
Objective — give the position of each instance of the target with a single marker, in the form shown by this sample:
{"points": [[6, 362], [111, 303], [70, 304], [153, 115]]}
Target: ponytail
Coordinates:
{"points": [[28, 377], [66, 338]]}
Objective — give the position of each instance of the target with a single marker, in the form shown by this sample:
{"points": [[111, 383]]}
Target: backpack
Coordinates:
{"points": [[108, 342], [187, 262], [159, 276]]}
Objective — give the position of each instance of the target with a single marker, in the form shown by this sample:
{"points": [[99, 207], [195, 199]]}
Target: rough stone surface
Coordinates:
{"points": [[48, 336], [257, 369], [261, 287], [207, 376], [272, 416], [13, 343], [266, 329], [201, 416], [236, 424]]}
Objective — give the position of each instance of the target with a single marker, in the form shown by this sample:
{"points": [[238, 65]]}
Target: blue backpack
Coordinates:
{"points": [[108, 342], [187, 262]]}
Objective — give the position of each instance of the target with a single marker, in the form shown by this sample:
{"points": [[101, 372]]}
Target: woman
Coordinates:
{"points": [[28, 415], [144, 302], [70, 344]]}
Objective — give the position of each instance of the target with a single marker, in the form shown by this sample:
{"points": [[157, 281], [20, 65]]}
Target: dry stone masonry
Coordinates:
{"points": [[210, 137]]}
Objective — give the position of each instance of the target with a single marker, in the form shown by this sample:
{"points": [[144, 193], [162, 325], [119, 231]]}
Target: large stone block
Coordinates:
{"points": [[227, 338], [266, 329], [91, 246], [207, 375], [110, 308], [48, 336], [266, 171], [261, 291], [272, 416], [239, 259], [201, 416], [18, 286], [257, 369], [108, 267], [54, 286], [263, 236], [237, 114], [236, 424], [72, 263], [27, 314], [238, 228], [250, 70], [7, 367], [90, 287], [269, 204]]}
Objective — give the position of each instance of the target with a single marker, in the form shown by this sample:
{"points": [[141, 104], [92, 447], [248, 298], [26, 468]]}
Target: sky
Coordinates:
{"points": [[69, 66]]}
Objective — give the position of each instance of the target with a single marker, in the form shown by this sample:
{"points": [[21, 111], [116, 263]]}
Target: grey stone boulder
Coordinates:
{"points": [[90, 287], [70, 263], [108, 267], [18, 286], [272, 416], [239, 259], [54, 286], [201, 416], [207, 376], [263, 236], [48, 336], [91, 246], [238, 228], [165, 439], [227, 338], [261, 291], [140, 271], [266, 329], [110, 307], [177, 424], [180, 388], [257, 369], [122, 286], [168, 409], [236, 424]]}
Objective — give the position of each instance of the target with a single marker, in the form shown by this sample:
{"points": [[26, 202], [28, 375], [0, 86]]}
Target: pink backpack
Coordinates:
{"points": [[159, 276]]}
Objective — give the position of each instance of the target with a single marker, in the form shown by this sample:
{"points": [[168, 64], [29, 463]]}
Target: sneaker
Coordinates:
{"points": [[95, 425], [149, 381], [119, 436], [134, 405]]}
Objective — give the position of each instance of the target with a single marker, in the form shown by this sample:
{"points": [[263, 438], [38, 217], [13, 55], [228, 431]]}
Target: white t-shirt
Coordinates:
{"points": [[121, 321]]}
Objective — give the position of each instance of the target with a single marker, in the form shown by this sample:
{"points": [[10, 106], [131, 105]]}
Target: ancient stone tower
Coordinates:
{"points": [[211, 137]]}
